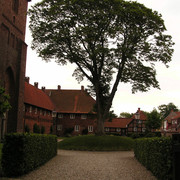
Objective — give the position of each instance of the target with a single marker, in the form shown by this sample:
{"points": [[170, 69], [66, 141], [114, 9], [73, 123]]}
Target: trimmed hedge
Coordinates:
{"points": [[23, 153], [156, 155]]}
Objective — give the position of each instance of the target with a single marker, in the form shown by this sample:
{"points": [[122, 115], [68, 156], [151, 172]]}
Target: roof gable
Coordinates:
{"points": [[36, 97]]}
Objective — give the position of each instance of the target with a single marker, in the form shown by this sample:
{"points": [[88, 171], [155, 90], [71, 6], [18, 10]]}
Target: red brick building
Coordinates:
{"points": [[13, 60], [38, 108], [74, 111], [123, 126]]}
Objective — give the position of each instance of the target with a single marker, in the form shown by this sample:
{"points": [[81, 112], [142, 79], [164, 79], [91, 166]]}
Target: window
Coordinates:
{"points": [[72, 116], [83, 116], [59, 127], [90, 128], [139, 121], [118, 129], [40, 111], [135, 129], [60, 116], [35, 111], [107, 129], [174, 121], [44, 113], [54, 113], [143, 129], [15, 6], [77, 128], [49, 113], [30, 109]]}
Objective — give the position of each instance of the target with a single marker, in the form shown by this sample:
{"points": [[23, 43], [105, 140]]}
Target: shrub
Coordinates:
{"points": [[68, 131], [26, 128], [156, 155], [85, 131], [36, 128], [22, 153], [42, 129]]}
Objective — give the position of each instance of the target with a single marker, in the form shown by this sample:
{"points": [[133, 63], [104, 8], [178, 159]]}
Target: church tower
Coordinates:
{"points": [[13, 60]]}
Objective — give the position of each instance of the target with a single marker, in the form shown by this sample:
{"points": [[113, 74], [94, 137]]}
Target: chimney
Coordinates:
{"points": [[59, 87], [36, 84], [82, 88], [139, 109], [43, 88], [27, 79]]}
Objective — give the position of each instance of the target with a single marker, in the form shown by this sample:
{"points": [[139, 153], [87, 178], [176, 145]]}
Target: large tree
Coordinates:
{"points": [[165, 109], [110, 41]]}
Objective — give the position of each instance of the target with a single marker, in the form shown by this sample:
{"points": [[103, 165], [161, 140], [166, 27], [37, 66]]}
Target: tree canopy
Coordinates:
{"points": [[110, 41], [165, 109]]}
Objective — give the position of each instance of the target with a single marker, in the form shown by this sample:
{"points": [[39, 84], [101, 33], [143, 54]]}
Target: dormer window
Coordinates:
{"points": [[15, 6]]}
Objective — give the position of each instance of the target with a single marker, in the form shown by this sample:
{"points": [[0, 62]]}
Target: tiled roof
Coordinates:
{"points": [[118, 123], [71, 101], [142, 115], [177, 116], [36, 97], [172, 115]]}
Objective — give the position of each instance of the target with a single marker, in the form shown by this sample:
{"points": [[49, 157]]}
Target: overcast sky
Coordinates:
{"points": [[51, 75]]}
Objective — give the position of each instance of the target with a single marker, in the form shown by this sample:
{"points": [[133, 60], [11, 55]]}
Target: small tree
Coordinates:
{"points": [[42, 129], [126, 115], [154, 120], [106, 39], [36, 128], [4, 102]]}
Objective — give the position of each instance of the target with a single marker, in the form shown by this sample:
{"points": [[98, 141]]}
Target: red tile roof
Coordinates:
{"points": [[177, 116], [36, 97], [172, 115], [71, 101], [142, 115], [118, 123]]}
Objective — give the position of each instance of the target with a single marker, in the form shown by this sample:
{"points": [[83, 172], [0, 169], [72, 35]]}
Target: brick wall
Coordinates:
{"points": [[13, 58]]}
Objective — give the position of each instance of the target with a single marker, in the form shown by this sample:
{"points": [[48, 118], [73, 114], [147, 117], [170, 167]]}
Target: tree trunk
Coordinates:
{"points": [[100, 126]]}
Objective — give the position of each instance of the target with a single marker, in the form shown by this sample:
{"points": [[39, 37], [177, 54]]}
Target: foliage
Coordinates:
{"points": [[85, 131], [51, 129], [154, 120], [42, 129], [126, 115], [156, 155], [105, 39], [97, 143], [68, 131], [36, 128], [22, 153], [26, 128], [4, 102], [166, 109]]}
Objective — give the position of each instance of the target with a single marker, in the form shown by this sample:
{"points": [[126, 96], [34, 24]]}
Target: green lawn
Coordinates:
{"points": [[97, 143]]}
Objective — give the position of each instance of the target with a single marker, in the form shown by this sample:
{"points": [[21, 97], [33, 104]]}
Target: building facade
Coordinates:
{"points": [[13, 60]]}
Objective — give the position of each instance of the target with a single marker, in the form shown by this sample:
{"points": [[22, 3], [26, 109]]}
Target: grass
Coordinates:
{"points": [[97, 143]]}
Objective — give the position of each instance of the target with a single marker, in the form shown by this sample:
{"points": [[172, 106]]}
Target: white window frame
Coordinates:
{"points": [[60, 115], [59, 127], [77, 128], [30, 109], [83, 116], [41, 112], [135, 129], [107, 129], [44, 113], [72, 116], [143, 129], [174, 121], [54, 113], [90, 128], [118, 129], [36, 110]]}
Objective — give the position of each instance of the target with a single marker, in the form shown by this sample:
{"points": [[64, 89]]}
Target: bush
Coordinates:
{"points": [[26, 128], [22, 153], [42, 129], [68, 131], [156, 155], [85, 131], [36, 128]]}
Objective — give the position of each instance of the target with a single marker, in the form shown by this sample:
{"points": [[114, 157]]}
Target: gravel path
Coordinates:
{"points": [[85, 165]]}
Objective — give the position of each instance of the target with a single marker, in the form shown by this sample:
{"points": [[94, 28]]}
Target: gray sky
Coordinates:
{"points": [[51, 75]]}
